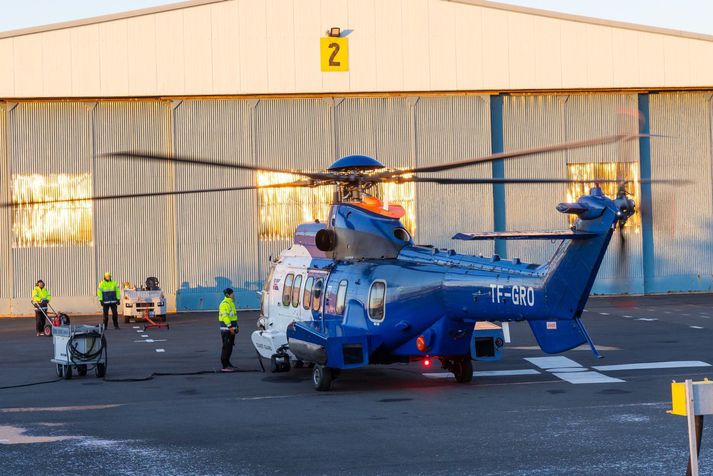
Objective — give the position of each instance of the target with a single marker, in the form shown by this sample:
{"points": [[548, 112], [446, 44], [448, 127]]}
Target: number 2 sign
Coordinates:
{"points": [[334, 54]]}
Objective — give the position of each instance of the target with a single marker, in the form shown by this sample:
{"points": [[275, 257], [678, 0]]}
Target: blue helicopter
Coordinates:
{"points": [[355, 289]]}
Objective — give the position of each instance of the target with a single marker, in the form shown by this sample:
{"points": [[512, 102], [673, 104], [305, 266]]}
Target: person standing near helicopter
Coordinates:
{"points": [[109, 294], [41, 296], [228, 317]]}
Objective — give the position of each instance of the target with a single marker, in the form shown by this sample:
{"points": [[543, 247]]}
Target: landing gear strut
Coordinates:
{"points": [[462, 368]]}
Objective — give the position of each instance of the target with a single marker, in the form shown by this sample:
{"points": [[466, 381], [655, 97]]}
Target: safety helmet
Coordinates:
{"points": [[227, 292], [107, 275]]}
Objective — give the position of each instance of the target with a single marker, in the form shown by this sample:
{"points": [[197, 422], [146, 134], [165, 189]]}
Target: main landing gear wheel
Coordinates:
{"points": [[322, 378], [463, 370]]}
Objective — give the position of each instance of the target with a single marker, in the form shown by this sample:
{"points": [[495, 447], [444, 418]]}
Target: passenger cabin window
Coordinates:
{"points": [[296, 288], [341, 296], [376, 300], [307, 296], [287, 289], [317, 294]]}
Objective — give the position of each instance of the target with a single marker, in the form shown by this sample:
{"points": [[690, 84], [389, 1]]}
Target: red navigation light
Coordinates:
{"points": [[421, 344], [427, 362]]}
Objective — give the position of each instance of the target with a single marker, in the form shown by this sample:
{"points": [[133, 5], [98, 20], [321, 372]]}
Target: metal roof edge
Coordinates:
{"points": [[584, 19], [106, 18]]}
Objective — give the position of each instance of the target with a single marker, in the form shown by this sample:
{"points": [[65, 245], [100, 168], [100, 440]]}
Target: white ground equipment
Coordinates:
{"points": [[79, 348], [143, 303]]}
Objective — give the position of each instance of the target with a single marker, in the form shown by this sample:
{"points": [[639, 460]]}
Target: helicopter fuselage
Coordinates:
{"points": [[346, 311]]}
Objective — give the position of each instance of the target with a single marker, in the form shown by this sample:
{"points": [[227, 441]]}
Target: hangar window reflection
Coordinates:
{"points": [[52, 224], [280, 210], [606, 170]]}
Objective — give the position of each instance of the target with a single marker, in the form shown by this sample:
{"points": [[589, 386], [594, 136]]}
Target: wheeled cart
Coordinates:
{"points": [[53, 320], [79, 348]]}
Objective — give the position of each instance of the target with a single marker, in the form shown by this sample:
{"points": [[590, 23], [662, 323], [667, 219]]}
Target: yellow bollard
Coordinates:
{"points": [[692, 400]]}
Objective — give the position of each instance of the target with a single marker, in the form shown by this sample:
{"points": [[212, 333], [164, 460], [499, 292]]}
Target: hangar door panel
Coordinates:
{"points": [[134, 237], [682, 217], [216, 233], [291, 134], [451, 129], [5, 215], [382, 128], [597, 115], [50, 154], [531, 121]]}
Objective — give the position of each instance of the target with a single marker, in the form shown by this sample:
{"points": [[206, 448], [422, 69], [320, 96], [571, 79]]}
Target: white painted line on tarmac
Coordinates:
{"points": [[627, 316], [77, 408], [552, 362], [586, 377], [604, 313], [160, 350], [647, 319], [581, 347], [673, 364], [485, 373], [144, 335], [151, 341], [568, 369], [695, 327], [137, 327]]}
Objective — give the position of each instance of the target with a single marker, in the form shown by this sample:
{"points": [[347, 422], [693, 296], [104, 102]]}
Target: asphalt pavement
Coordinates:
{"points": [[164, 409]]}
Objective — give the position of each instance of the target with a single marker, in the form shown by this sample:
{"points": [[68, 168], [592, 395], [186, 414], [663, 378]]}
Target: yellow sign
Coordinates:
{"points": [[334, 53]]}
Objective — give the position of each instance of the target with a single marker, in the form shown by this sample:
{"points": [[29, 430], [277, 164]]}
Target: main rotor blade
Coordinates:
{"points": [[465, 181], [513, 154], [301, 183], [213, 163]]}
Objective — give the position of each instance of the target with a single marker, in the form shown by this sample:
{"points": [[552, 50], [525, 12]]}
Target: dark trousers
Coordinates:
{"points": [[227, 351], [39, 321], [114, 316]]}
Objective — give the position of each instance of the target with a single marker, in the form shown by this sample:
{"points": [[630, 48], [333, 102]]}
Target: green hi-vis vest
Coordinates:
{"points": [[227, 314], [106, 286], [41, 294]]}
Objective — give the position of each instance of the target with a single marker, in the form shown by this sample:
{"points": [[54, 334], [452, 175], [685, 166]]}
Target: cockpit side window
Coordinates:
{"points": [[287, 289], [377, 300], [341, 296]]}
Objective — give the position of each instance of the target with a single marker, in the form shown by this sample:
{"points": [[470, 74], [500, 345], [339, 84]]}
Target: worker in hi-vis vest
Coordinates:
{"points": [[109, 294], [40, 297], [228, 317]]}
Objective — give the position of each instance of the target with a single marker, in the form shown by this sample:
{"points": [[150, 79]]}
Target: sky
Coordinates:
{"points": [[686, 15]]}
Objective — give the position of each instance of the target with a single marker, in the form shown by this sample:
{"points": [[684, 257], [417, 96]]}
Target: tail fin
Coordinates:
{"points": [[571, 271]]}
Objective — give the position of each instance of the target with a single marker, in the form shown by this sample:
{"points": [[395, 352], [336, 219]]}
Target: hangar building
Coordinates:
{"points": [[414, 82]]}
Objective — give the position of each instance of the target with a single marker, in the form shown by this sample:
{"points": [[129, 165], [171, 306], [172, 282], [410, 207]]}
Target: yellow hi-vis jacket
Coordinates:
{"points": [[228, 314], [105, 286], [41, 294]]}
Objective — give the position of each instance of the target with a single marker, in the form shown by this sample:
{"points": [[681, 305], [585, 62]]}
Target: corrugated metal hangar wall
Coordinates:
{"points": [[199, 244]]}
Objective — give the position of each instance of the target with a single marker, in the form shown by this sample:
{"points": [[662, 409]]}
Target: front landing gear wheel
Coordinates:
{"points": [[463, 370], [322, 378]]}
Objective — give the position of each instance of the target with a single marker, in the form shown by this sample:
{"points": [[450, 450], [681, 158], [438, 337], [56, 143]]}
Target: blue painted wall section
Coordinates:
{"points": [[647, 226], [498, 171]]}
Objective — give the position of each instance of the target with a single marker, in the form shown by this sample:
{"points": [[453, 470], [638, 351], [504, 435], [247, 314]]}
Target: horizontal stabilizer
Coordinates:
{"points": [[525, 235]]}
